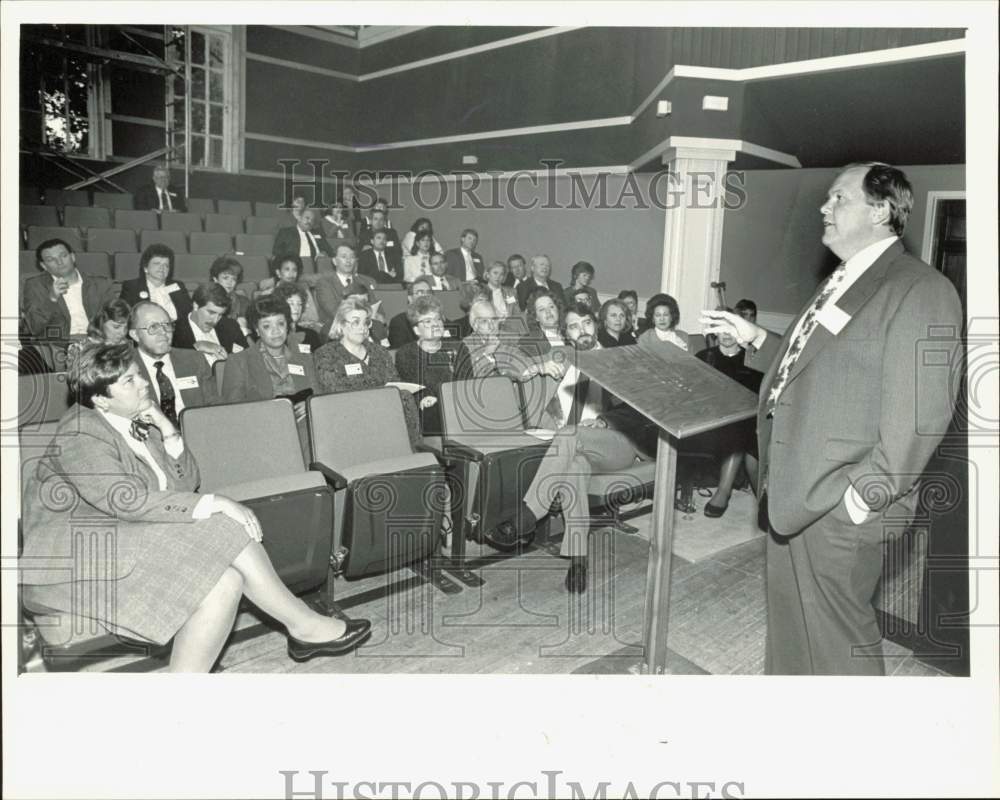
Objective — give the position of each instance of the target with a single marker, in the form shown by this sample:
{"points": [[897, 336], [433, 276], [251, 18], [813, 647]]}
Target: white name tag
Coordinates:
{"points": [[304, 348], [446, 334], [832, 318], [237, 348], [353, 369], [173, 287], [296, 369], [188, 382], [390, 244]]}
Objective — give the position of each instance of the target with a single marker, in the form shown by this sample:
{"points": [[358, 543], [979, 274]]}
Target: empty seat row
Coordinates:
{"points": [[118, 240], [75, 198], [86, 217]]}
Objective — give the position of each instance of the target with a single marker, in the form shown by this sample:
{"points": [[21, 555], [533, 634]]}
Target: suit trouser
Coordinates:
{"points": [[820, 583], [575, 454]]}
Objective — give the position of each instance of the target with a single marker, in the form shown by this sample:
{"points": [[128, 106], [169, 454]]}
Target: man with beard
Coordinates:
{"points": [[592, 437]]}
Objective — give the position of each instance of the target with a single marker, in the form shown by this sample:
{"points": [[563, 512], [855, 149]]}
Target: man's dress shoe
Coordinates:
{"points": [[357, 631], [576, 577]]}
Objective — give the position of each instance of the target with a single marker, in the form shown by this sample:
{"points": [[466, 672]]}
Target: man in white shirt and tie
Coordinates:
{"points": [[854, 401], [160, 197], [301, 240], [378, 263], [464, 263]]}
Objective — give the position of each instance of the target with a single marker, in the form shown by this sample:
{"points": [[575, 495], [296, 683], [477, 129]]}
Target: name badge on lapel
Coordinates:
{"points": [[173, 287], [390, 243], [353, 369], [305, 349], [296, 369], [187, 382], [237, 348], [832, 318]]}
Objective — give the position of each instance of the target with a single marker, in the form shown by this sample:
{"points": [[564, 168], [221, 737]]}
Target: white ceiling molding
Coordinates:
{"points": [[375, 34]]}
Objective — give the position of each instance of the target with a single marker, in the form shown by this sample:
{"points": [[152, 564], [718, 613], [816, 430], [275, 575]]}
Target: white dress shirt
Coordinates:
{"points": [[78, 321], [161, 296], [164, 195], [305, 239], [470, 269], [168, 370], [201, 336]]}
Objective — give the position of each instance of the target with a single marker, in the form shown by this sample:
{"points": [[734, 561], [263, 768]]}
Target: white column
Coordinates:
{"points": [[692, 231]]}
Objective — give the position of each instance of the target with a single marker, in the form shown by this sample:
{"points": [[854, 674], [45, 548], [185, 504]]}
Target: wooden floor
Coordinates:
{"points": [[521, 619]]}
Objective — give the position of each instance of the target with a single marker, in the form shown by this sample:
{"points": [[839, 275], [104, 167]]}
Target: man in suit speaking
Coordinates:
{"points": [[850, 413]]}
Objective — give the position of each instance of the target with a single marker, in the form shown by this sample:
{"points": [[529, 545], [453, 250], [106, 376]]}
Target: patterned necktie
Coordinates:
{"points": [[140, 429], [381, 261], [167, 395], [798, 343]]}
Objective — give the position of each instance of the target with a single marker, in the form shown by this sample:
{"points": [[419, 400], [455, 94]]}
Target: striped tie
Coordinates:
{"points": [[798, 343]]}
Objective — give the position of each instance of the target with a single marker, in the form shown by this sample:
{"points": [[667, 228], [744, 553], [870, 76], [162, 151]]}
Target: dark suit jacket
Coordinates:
{"points": [[329, 292], [228, 331], [286, 242], [135, 290], [147, 199], [187, 364], [456, 264], [246, 377], [368, 265], [50, 320], [528, 285], [392, 245], [864, 406], [103, 478]]}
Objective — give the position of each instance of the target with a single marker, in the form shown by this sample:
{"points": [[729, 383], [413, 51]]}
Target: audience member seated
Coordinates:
{"points": [[228, 272], [379, 222], [468, 294], [400, 329], [464, 263], [420, 225], [615, 325], [441, 281], [207, 329], [336, 225], [287, 269], [476, 357], [302, 239], [517, 271], [352, 361], [160, 196], [155, 282], [541, 268], [747, 309], [418, 260], [380, 204], [503, 297], [353, 214], [58, 304], [379, 333], [631, 301], [429, 361], [662, 317], [295, 296], [581, 277], [379, 263], [299, 205], [593, 435], [275, 364], [543, 316], [109, 326], [330, 289], [178, 378], [180, 562], [735, 445]]}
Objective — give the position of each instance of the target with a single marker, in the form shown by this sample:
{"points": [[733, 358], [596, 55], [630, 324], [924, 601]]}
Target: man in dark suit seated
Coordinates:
{"points": [[541, 268], [379, 222], [331, 288], [380, 263], [400, 329], [301, 239], [58, 304], [160, 196], [517, 271], [207, 328], [464, 263], [178, 379]]}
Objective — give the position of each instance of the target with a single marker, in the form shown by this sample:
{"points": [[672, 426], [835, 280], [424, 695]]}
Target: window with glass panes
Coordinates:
{"points": [[208, 54]]}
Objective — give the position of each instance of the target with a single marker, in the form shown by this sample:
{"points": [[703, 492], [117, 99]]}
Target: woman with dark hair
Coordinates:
{"points": [[337, 224], [156, 269], [110, 325], [420, 225], [179, 562], [580, 277], [418, 259], [662, 317], [543, 313], [295, 295], [631, 301], [227, 271], [615, 329], [287, 269]]}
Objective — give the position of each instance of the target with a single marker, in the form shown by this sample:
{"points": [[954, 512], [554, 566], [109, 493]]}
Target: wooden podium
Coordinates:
{"points": [[683, 396]]}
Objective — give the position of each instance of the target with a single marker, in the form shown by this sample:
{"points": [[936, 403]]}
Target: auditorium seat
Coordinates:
{"points": [[223, 223], [137, 220], [266, 225], [175, 240], [215, 244], [38, 215], [201, 205], [254, 244], [451, 303], [391, 512], [30, 196], [111, 240], [266, 472], [309, 268], [190, 268], [240, 208], [394, 300], [126, 266], [95, 264], [27, 263], [86, 217], [38, 234], [114, 200], [176, 221], [67, 197], [255, 268], [268, 209], [323, 264]]}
